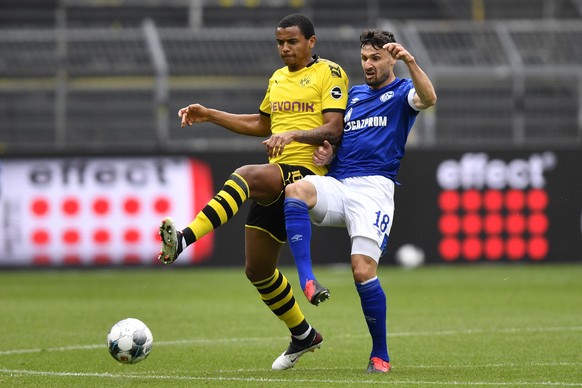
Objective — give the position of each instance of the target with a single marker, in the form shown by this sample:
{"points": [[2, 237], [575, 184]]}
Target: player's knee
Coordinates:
{"points": [[246, 172], [258, 271], [299, 190], [363, 273], [251, 274], [292, 190], [364, 267]]}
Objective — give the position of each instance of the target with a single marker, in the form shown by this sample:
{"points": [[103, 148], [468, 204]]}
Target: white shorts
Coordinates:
{"points": [[364, 205]]}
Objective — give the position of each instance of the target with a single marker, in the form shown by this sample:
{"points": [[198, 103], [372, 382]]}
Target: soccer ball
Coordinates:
{"points": [[130, 341], [409, 256]]}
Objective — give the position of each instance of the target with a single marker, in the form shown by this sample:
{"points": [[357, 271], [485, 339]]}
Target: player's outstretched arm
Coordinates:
{"points": [[244, 124], [425, 94]]}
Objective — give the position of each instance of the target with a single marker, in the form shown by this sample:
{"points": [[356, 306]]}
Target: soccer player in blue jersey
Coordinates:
{"points": [[358, 190]]}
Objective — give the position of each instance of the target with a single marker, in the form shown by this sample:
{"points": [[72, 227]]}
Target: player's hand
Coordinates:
{"points": [[323, 154], [277, 142], [398, 52], [194, 113]]}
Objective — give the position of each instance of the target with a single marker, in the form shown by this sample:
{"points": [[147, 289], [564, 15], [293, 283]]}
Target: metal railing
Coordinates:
{"points": [[500, 83]]}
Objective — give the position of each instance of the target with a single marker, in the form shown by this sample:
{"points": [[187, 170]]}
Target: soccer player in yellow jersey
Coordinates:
{"points": [[303, 106]]}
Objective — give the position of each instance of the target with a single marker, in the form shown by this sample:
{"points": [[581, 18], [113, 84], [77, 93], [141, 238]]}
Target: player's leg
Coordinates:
{"points": [[264, 236], [324, 197], [262, 252], [299, 198], [369, 214], [259, 182], [373, 300]]}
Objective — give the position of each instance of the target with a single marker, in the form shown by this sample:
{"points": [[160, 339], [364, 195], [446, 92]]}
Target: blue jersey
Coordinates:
{"points": [[376, 126]]}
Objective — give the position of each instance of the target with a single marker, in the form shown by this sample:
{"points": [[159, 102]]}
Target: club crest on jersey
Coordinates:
{"points": [[336, 93], [386, 96], [305, 82]]}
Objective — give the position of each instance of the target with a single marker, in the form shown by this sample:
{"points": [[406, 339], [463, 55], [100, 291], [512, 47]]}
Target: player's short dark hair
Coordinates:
{"points": [[296, 19], [376, 38]]}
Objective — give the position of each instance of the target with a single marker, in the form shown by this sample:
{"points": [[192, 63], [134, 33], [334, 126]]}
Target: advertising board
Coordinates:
{"points": [[454, 206]]}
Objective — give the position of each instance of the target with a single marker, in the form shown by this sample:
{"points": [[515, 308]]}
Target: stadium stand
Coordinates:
{"points": [[23, 14], [239, 15], [104, 75], [127, 14]]}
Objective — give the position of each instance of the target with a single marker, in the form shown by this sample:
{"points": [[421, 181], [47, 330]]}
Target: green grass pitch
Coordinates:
{"points": [[466, 326]]}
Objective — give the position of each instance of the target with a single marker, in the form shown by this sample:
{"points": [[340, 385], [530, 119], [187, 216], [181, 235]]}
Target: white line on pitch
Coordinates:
{"points": [[275, 380], [255, 339]]}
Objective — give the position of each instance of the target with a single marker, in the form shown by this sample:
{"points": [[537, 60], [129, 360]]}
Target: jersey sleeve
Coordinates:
{"points": [[335, 88], [265, 107]]}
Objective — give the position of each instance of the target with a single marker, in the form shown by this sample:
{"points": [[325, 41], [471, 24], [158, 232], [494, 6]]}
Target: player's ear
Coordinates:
{"points": [[312, 42]]}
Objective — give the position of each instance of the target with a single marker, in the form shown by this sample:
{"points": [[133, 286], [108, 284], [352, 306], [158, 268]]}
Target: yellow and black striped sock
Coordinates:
{"points": [[219, 209], [277, 294]]}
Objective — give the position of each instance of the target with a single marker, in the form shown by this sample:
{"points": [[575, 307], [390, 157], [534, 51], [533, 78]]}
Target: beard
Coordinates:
{"points": [[377, 81]]}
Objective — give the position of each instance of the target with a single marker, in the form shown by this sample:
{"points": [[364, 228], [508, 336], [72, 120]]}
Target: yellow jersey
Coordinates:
{"points": [[298, 99]]}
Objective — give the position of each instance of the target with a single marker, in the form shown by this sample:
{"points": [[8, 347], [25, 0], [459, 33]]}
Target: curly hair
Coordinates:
{"points": [[376, 38]]}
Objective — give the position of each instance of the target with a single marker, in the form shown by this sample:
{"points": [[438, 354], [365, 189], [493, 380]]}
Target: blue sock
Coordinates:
{"points": [[374, 306], [298, 227]]}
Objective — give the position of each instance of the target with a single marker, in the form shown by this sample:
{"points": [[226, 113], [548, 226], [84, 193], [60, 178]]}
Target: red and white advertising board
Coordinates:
{"points": [[97, 211]]}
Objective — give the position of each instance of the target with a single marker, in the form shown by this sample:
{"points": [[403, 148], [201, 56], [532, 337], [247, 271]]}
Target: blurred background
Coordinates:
{"points": [[92, 154]]}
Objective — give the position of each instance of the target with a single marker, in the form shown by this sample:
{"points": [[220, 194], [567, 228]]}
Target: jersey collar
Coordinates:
{"points": [[314, 58]]}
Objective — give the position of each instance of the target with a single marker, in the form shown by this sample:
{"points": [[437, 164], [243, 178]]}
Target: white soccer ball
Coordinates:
{"points": [[130, 341], [409, 256]]}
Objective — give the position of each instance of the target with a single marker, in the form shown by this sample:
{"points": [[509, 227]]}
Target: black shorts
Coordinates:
{"points": [[271, 218]]}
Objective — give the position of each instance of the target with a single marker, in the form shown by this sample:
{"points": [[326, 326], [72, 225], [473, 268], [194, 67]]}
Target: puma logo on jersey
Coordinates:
{"points": [[335, 70]]}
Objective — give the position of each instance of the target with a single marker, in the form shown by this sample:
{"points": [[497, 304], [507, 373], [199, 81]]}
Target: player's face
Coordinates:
{"points": [[294, 48], [378, 66]]}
